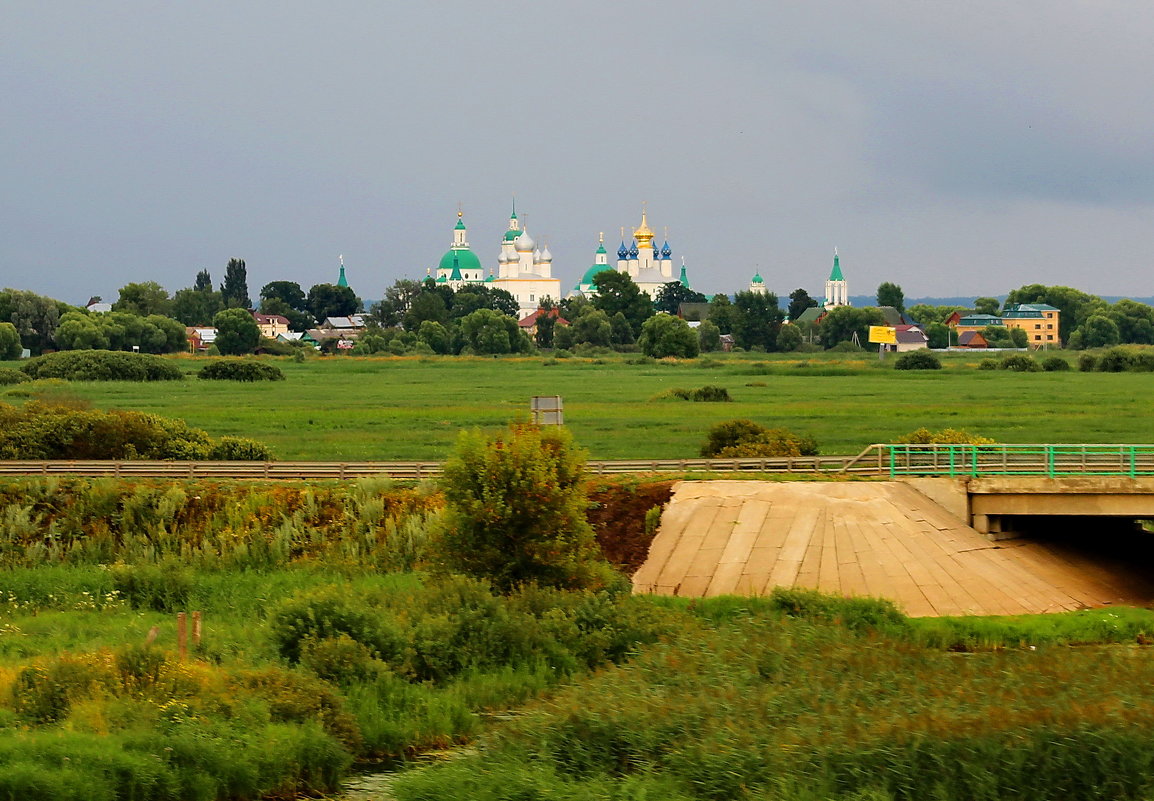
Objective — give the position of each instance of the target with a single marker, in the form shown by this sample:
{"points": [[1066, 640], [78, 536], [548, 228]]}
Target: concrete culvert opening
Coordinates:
{"points": [[1116, 553]]}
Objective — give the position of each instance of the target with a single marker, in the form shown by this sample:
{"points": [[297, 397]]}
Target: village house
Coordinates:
{"points": [[271, 325]]}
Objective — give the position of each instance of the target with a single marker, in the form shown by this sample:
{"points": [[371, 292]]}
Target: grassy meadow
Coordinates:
{"points": [[408, 408]]}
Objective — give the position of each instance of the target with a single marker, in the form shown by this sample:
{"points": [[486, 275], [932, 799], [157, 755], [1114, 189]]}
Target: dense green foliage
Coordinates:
{"points": [[101, 365], [664, 335], [236, 332], [39, 430], [120, 330], [745, 439], [706, 394], [918, 360], [240, 370], [9, 377], [516, 510], [10, 346]]}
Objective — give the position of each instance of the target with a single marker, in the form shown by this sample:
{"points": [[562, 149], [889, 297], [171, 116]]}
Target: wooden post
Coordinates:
{"points": [[196, 629], [182, 635]]}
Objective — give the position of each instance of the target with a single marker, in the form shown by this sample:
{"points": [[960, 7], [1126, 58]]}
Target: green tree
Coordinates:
{"points": [[789, 338], [426, 306], [34, 316], [546, 325], [673, 294], [236, 332], [722, 313], [515, 510], [938, 335], [664, 335], [78, 331], [842, 322], [757, 318], [799, 301], [234, 290], [172, 338], [592, 327], [289, 293], [617, 292], [890, 294], [195, 306], [1135, 322], [621, 333], [297, 320], [436, 336], [330, 300], [708, 337], [487, 331], [998, 336], [10, 346], [925, 314], [987, 305], [390, 311], [1099, 331], [472, 297], [203, 282], [143, 299]]}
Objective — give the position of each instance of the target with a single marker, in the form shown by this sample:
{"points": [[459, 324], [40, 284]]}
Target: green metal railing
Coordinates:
{"points": [[1050, 461]]}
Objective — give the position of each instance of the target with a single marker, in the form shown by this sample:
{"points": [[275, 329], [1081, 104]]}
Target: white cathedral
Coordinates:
{"points": [[650, 267], [523, 270]]}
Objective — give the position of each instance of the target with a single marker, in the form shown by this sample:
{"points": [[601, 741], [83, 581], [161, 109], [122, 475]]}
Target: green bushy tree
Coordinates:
{"points": [[10, 346], [236, 332], [515, 510], [664, 335]]}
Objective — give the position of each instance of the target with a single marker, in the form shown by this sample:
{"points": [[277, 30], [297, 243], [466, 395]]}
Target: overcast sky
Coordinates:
{"points": [[954, 148]]}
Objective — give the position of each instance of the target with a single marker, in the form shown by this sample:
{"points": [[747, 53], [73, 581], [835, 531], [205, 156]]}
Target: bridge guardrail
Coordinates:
{"points": [[1050, 461]]}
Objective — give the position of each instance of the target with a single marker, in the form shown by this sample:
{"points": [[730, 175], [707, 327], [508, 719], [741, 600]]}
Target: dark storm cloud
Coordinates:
{"points": [[949, 147]]}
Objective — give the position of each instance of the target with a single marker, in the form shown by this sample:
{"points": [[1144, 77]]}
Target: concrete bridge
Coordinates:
{"points": [[935, 545], [1007, 506]]}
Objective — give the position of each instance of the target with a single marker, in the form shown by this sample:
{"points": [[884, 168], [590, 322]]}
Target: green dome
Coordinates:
{"points": [[466, 260], [757, 278], [510, 235], [587, 279]]}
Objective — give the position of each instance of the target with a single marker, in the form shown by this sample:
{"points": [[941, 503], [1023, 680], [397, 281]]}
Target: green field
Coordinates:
{"points": [[411, 408]]}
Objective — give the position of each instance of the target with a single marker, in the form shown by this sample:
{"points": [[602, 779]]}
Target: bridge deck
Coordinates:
{"points": [[880, 539]]}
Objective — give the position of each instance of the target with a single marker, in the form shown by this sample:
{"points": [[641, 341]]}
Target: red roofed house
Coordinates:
{"points": [[528, 323]]}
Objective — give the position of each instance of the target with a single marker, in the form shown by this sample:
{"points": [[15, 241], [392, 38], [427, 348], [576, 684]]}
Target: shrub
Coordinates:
{"points": [[730, 433], [102, 365], [327, 615], [918, 360], [947, 436], [1019, 363], [1115, 360], [1055, 364], [745, 439], [240, 370], [707, 394], [45, 693], [163, 587], [41, 430], [847, 347], [988, 364], [239, 449], [515, 510], [773, 442], [1087, 362], [9, 376], [340, 660]]}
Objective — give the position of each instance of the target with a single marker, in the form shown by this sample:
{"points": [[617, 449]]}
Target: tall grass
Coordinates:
{"points": [[774, 706]]}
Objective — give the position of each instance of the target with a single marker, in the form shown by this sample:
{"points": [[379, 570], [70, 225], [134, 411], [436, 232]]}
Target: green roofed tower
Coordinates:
{"points": [[836, 293]]}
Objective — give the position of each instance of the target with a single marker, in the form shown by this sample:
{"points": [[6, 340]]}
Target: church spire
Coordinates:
{"points": [[835, 273], [342, 281]]}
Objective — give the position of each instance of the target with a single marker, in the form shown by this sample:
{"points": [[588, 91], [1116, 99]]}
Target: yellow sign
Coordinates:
{"points": [[883, 334]]}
